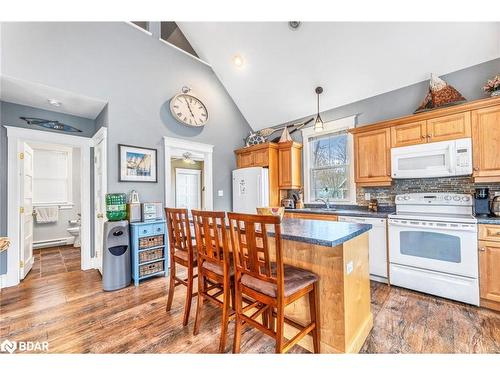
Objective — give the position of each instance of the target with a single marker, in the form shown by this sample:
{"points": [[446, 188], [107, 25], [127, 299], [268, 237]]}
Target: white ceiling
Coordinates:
{"points": [[35, 95], [352, 61]]}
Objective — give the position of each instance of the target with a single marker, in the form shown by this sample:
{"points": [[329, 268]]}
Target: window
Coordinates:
{"points": [[52, 176], [328, 166]]}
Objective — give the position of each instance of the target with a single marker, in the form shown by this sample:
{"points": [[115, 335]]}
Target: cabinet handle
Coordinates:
{"points": [[423, 137], [476, 168], [429, 136], [482, 249]]}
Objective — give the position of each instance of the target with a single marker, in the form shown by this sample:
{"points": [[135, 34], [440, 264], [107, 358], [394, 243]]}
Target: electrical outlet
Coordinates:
{"points": [[220, 193], [367, 196]]}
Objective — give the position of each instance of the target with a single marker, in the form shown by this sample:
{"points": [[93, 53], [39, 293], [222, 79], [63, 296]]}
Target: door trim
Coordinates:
{"points": [[172, 147], [100, 136], [15, 137]]}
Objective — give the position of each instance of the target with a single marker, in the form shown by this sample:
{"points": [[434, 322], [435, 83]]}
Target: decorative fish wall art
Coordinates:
{"points": [[50, 124]]}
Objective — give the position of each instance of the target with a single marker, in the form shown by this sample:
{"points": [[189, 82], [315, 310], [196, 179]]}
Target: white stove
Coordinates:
{"points": [[433, 245]]}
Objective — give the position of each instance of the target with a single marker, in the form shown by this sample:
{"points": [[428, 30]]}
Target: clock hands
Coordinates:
{"points": [[190, 111]]}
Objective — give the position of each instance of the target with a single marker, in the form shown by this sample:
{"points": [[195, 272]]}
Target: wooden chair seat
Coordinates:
{"points": [[217, 268], [184, 255], [295, 279]]}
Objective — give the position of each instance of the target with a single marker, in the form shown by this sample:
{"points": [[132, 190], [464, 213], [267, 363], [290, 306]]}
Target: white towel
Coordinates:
{"points": [[46, 215]]}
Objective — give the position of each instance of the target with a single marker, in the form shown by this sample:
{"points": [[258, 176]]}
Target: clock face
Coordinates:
{"points": [[189, 110]]}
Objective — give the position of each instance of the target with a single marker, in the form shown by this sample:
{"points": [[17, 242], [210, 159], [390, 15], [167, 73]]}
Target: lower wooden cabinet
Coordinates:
{"points": [[489, 266]]}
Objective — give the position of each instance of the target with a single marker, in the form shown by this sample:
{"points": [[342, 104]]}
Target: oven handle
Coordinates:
{"points": [[436, 226]]}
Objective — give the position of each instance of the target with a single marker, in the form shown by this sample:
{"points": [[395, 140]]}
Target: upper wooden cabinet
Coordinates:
{"points": [[413, 133], [486, 144], [290, 165], [437, 129], [372, 154], [449, 127], [256, 156]]}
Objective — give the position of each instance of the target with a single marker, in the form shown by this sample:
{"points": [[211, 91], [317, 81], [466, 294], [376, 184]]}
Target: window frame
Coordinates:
{"points": [[69, 178], [330, 127]]}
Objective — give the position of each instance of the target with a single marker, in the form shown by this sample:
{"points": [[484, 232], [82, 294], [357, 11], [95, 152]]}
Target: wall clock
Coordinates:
{"points": [[188, 109]]}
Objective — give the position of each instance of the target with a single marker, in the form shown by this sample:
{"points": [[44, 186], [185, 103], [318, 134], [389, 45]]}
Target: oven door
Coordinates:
{"points": [[437, 246]]}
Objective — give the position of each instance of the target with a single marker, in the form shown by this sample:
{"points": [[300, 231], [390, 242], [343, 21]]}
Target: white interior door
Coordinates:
{"points": [[188, 188], [26, 210], [100, 188]]}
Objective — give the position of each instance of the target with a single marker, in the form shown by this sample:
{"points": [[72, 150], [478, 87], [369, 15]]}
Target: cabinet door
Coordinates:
{"points": [[261, 158], [489, 276], [290, 165], [409, 134], [449, 127], [285, 167], [486, 144], [308, 216], [372, 151], [245, 160]]}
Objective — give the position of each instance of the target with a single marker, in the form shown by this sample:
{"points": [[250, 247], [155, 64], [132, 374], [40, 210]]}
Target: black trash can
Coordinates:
{"points": [[116, 270]]}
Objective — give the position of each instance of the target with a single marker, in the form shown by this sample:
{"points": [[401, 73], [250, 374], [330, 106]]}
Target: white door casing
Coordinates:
{"points": [[15, 139], [188, 188], [26, 210], [100, 190], [207, 150]]}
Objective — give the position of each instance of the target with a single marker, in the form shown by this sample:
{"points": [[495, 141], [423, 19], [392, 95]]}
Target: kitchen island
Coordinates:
{"points": [[338, 254]]}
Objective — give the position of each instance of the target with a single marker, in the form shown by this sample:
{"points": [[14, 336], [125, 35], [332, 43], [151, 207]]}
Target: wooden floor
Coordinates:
{"points": [[72, 313], [54, 260]]}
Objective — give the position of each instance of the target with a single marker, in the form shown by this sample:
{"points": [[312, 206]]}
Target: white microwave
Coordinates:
{"points": [[437, 159]]}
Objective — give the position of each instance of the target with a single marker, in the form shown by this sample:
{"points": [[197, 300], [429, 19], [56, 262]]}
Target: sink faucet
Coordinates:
{"points": [[325, 201]]}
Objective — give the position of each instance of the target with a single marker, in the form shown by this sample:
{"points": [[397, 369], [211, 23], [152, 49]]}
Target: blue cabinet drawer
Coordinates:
{"points": [[158, 228], [145, 230]]}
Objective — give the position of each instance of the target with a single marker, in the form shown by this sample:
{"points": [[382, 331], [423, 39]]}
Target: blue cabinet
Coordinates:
{"points": [[149, 250]]}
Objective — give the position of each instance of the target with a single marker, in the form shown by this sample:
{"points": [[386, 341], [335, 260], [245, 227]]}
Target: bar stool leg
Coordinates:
{"points": [[189, 296], [280, 326], [171, 286], [225, 318], [313, 310], [199, 305], [238, 322]]}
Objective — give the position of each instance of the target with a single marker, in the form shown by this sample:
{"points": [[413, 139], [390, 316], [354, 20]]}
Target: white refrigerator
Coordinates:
{"points": [[250, 189]]}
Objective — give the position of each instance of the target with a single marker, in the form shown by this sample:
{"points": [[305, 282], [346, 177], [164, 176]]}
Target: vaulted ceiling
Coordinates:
{"points": [[352, 61]]}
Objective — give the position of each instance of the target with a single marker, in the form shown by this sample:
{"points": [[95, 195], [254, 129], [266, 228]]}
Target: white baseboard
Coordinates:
{"points": [[53, 242]]}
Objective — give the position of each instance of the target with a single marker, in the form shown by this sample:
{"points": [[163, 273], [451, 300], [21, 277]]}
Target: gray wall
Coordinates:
{"points": [[404, 101], [9, 115], [136, 75]]}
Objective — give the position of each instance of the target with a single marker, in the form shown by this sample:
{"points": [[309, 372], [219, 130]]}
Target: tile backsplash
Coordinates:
{"points": [[385, 195]]}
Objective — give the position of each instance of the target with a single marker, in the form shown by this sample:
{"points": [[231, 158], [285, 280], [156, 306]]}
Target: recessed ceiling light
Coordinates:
{"points": [[54, 102], [238, 61]]}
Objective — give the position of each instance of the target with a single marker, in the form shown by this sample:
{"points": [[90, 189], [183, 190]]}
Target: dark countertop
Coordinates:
{"points": [[323, 233], [355, 211], [488, 220]]}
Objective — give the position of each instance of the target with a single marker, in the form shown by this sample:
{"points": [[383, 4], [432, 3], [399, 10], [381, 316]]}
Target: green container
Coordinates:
{"points": [[116, 206]]}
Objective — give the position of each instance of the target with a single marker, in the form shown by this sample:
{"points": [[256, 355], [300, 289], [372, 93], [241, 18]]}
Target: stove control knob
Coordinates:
{"points": [[447, 197], [406, 197], [465, 199], [456, 198]]}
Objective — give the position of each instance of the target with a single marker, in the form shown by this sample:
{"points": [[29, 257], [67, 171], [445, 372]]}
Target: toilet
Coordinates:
{"points": [[75, 232]]}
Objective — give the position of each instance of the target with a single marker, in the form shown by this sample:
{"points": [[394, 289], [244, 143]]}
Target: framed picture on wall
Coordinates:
{"points": [[137, 164]]}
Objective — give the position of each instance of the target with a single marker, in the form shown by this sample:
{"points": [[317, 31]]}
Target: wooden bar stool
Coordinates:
{"points": [[215, 272], [181, 253], [272, 285]]}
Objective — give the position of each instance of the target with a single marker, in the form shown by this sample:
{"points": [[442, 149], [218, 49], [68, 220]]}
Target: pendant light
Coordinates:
{"points": [[318, 124]]}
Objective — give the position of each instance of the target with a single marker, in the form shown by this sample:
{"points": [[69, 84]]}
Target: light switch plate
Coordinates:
{"points": [[367, 196], [350, 267], [220, 193]]}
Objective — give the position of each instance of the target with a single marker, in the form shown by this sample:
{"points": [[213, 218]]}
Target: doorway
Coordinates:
{"points": [[192, 162], [21, 175]]}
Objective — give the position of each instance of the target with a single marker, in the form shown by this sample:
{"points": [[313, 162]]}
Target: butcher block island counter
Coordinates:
{"points": [[338, 254]]}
